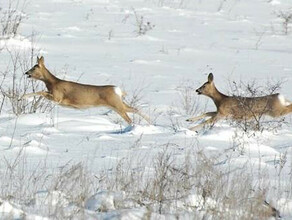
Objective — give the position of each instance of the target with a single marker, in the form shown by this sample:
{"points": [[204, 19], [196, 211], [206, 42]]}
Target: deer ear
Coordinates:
{"points": [[210, 78], [40, 60]]}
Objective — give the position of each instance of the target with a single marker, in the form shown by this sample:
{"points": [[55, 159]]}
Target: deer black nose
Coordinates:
{"points": [[28, 73]]}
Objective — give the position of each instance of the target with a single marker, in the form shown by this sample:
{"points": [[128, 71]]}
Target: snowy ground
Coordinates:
{"points": [[96, 42]]}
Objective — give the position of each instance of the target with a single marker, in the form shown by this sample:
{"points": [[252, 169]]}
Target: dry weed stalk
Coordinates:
{"points": [[286, 20], [142, 26], [14, 84], [259, 122], [11, 18]]}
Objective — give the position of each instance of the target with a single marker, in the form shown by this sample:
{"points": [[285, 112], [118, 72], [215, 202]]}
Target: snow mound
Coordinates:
{"points": [[104, 201], [9, 210]]}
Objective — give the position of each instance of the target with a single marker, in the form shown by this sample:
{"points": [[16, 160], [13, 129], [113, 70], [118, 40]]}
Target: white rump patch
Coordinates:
{"points": [[283, 100], [118, 91]]}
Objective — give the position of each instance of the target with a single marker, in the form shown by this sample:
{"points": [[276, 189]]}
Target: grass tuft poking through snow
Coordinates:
{"points": [[166, 187]]}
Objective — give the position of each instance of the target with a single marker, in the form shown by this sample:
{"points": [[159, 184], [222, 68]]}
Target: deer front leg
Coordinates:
{"points": [[47, 95], [209, 121], [207, 114]]}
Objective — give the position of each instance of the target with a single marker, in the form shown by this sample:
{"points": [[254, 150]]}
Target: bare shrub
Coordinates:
{"points": [[76, 184], [135, 98], [260, 35], [11, 17], [223, 194], [158, 189], [154, 115], [172, 3], [174, 118], [142, 26], [188, 99], [58, 194], [162, 188], [186, 104], [14, 84], [221, 4], [258, 122], [18, 183], [286, 17], [194, 185]]}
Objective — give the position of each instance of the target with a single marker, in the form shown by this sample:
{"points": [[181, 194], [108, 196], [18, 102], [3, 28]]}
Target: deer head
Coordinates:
{"points": [[208, 88], [38, 70]]}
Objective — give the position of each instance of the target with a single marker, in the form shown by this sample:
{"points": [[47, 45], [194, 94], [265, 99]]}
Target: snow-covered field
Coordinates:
{"points": [[67, 163]]}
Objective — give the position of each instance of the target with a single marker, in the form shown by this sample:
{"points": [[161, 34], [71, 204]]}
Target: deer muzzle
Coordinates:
{"points": [[28, 74]]}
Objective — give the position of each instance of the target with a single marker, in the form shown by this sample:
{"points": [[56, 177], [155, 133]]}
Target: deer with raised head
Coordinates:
{"points": [[239, 108], [80, 96]]}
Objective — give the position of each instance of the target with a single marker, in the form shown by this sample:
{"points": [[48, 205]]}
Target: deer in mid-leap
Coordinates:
{"points": [[239, 108], [80, 96]]}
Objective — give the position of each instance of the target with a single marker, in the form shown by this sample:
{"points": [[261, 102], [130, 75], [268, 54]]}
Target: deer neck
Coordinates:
{"points": [[217, 97], [49, 79]]}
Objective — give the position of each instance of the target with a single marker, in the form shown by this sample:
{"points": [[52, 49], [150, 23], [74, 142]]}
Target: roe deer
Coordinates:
{"points": [[80, 96], [240, 108]]}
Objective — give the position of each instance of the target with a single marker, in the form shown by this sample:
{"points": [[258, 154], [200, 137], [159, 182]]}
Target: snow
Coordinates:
{"points": [[96, 42], [8, 210], [18, 42]]}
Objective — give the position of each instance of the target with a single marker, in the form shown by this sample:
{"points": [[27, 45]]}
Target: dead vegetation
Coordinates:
{"points": [[286, 19], [11, 17], [193, 184], [259, 121], [14, 84]]}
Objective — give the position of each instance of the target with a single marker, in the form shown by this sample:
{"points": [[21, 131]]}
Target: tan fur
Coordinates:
{"points": [[239, 108], [79, 96]]}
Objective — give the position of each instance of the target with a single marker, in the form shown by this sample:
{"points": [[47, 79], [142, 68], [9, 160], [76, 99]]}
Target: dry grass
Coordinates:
{"points": [[286, 17], [194, 185], [11, 18], [259, 122], [142, 26], [14, 84]]}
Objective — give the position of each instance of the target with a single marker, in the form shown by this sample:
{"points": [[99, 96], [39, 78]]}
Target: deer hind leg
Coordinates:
{"points": [[118, 106], [136, 111], [124, 115], [211, 120], [207, 114]]}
